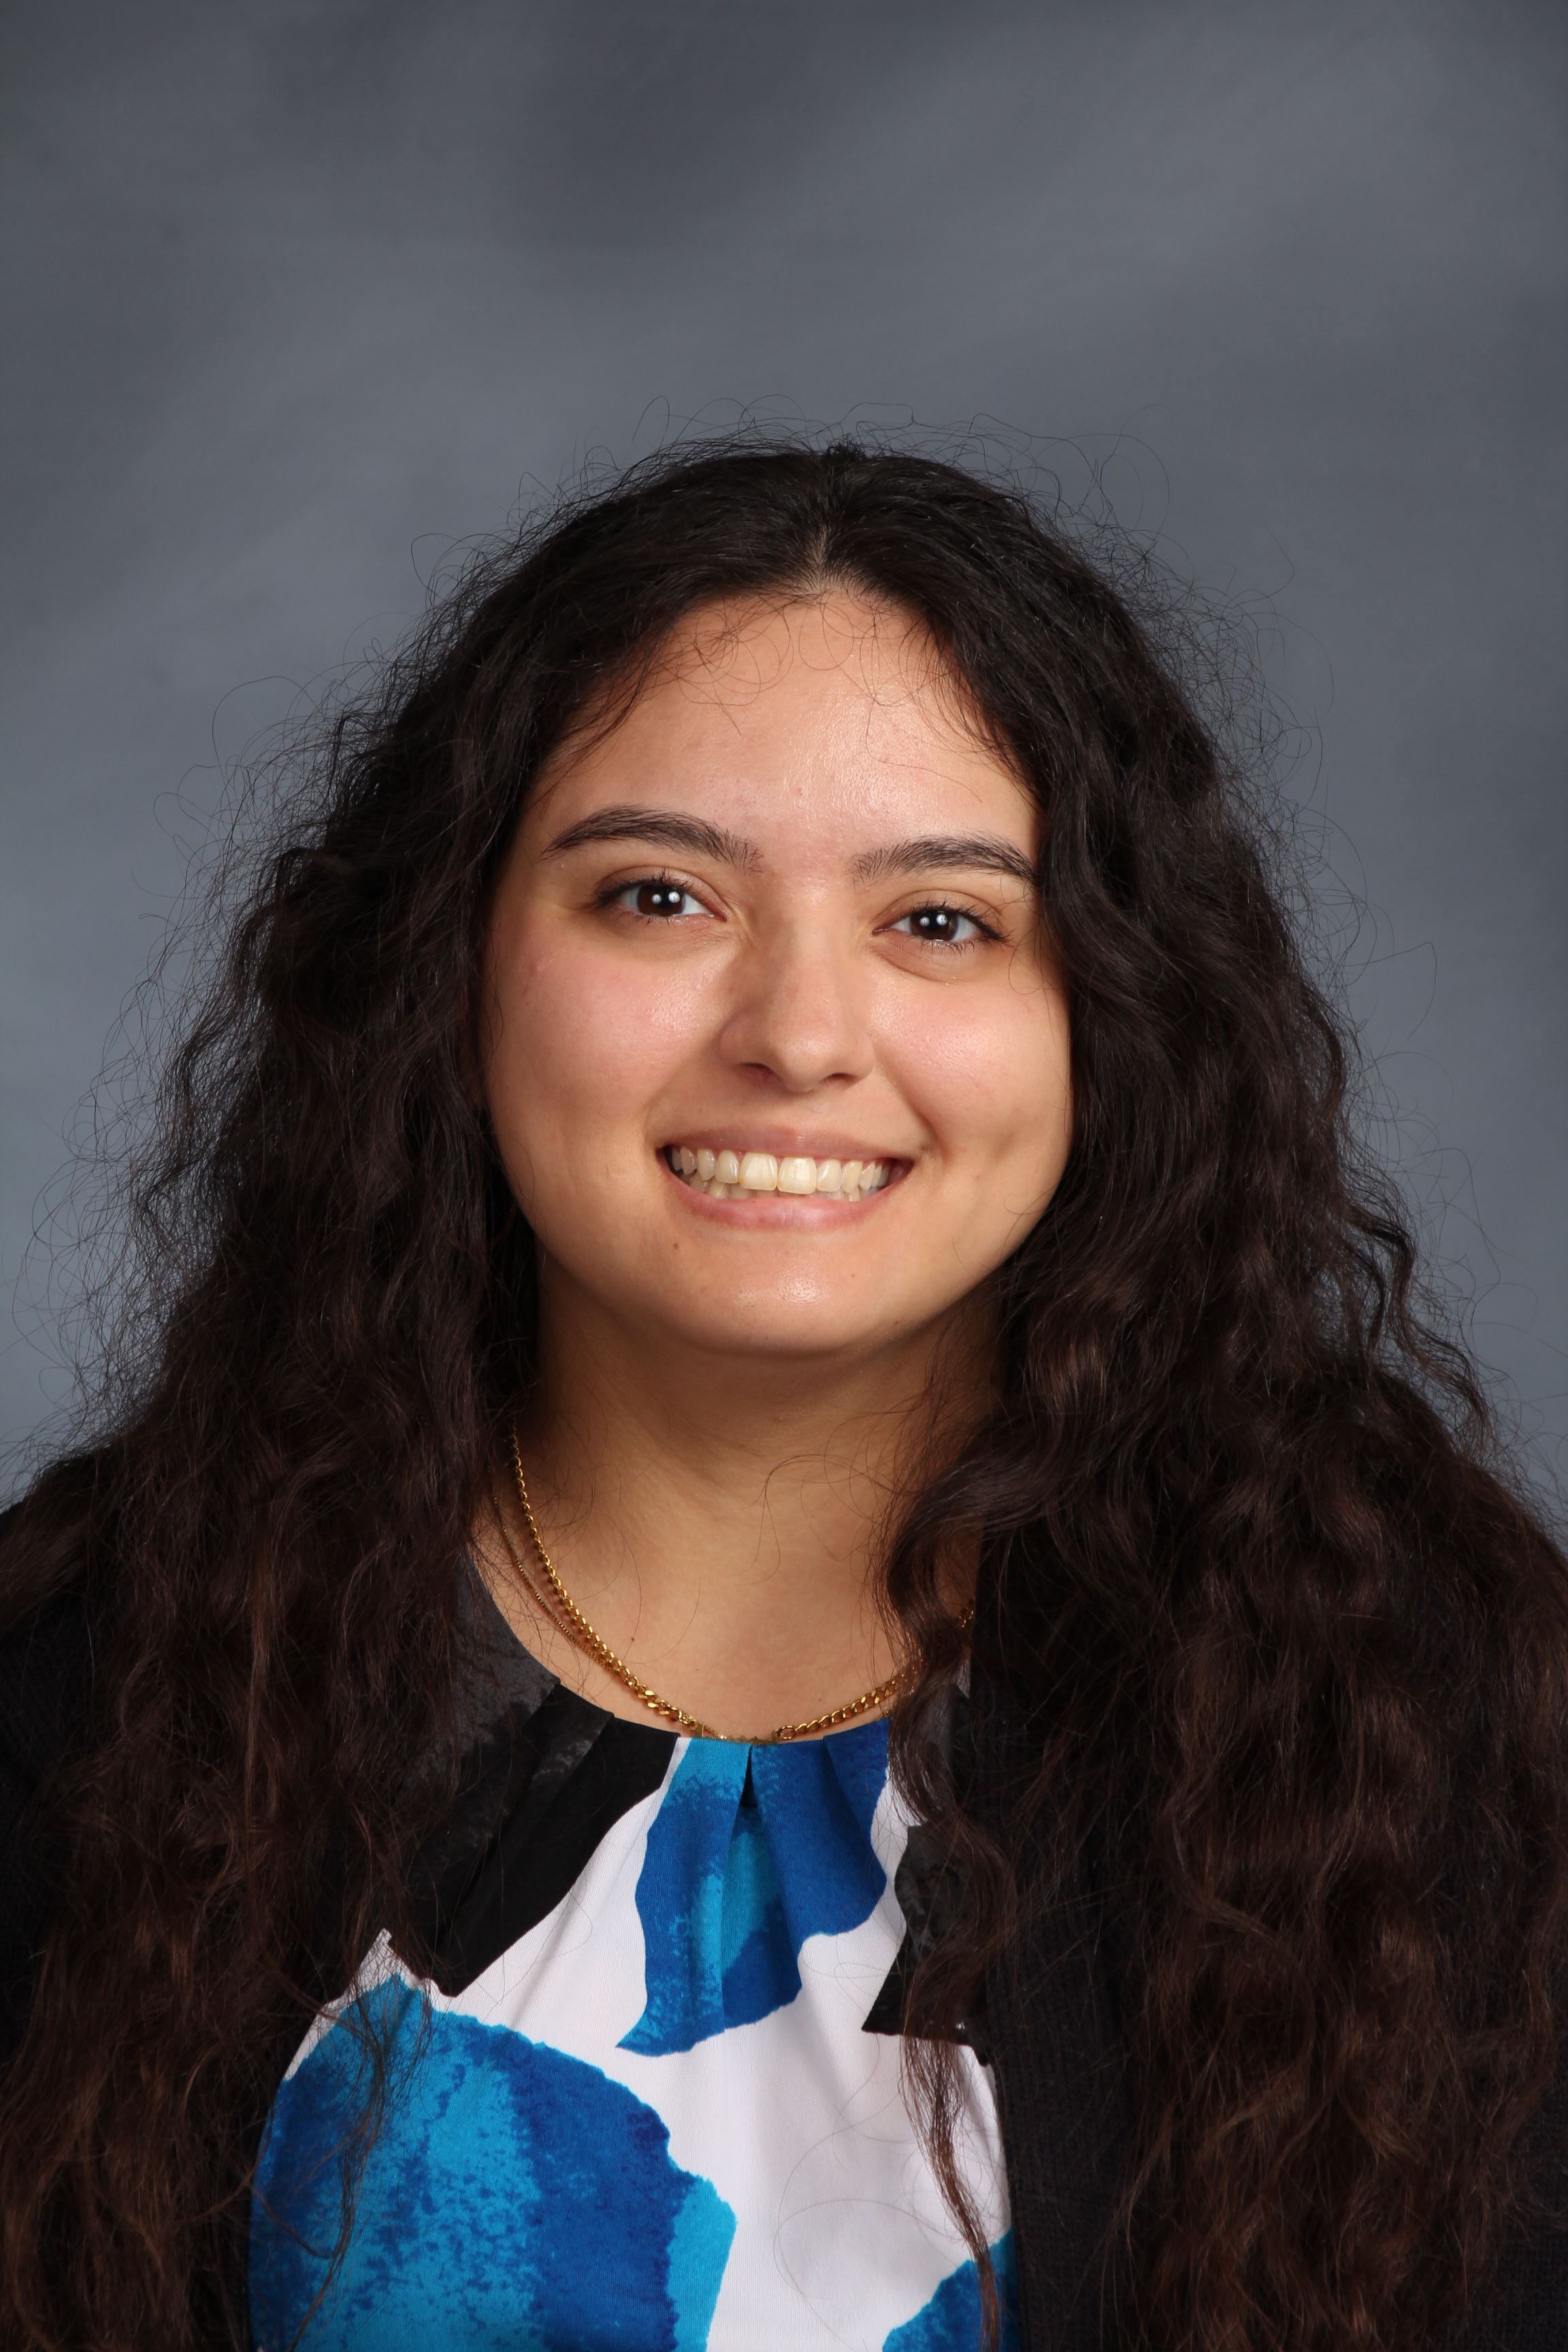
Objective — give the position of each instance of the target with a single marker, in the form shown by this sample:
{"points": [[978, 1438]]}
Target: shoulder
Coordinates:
{"points": [[46, 1687], [45, 1678], [46, 1674], [1526, 2307]]}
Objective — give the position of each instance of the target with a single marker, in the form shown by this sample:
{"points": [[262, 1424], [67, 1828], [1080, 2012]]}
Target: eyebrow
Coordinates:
{"points": [[946, 852], [670, 830], [923, 854]]}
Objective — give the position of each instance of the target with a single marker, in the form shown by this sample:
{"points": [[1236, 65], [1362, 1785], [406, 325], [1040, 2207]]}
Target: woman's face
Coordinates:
{"points": [[776, 1057]]}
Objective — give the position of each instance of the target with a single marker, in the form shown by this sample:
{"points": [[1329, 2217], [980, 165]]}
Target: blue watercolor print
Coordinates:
{"points": [[753, 1850], [516, 2197], [949, 2322]]}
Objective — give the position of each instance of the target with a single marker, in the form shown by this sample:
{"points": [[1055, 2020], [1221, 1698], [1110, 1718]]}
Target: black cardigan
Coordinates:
{"points": [[1052, 2032]]}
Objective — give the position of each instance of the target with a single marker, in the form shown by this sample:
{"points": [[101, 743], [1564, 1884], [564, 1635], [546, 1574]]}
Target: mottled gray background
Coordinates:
{"points": [[300, 292]]}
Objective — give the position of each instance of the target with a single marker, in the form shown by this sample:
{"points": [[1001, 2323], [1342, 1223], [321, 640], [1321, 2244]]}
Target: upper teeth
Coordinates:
{"points": [[724, 1174]]}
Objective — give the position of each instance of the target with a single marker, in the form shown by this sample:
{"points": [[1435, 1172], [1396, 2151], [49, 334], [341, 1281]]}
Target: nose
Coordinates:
{"points": [[798, 1019]]}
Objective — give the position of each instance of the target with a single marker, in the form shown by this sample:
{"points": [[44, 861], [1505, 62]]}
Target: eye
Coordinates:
{"points": [[942, 926], [657, 899]]}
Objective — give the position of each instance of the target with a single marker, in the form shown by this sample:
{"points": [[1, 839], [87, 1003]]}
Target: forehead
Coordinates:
{"points": [[823, 721]]}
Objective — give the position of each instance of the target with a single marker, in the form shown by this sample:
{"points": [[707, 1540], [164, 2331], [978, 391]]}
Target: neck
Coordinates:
{"points": [[718, 1518]]}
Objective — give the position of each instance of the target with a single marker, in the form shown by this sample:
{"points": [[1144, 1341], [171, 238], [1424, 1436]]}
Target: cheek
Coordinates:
{"points": [[990, 1072], [582, 1041]]}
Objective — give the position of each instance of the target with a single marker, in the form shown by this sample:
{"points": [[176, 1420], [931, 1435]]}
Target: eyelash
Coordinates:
{"points": [[986, 932], [618, 891]]}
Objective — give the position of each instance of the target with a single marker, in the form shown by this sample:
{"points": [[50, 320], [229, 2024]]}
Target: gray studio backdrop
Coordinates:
{"points": [[303, 293]]}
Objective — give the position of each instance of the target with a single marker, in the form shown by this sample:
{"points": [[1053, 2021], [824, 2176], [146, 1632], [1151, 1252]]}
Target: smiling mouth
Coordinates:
{"points": [[745, 1175]]}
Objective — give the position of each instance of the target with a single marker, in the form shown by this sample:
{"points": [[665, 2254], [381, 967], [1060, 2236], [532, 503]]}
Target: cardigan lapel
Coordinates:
{"points": [[1053, 2026], [1067, 2123]]}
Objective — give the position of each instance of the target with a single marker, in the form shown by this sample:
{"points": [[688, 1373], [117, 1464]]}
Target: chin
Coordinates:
{"points": [[798, 1332]]}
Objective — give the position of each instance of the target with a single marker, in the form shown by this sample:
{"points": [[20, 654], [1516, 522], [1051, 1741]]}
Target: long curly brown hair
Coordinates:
{"points": [[1263, 1579]]}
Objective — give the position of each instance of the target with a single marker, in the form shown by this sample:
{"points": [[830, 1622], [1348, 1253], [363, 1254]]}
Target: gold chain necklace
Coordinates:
{"points": [[586, 1639]]}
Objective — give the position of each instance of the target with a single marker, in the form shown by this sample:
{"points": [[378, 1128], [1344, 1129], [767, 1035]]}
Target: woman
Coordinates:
{"points": [[764, 1188]]}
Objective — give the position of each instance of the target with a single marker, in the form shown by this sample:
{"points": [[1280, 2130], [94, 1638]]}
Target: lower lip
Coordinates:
{"points": [[766, 1209]]}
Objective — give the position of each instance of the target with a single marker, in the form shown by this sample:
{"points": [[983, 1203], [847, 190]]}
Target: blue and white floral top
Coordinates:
{"points": [[650, 2096]]}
